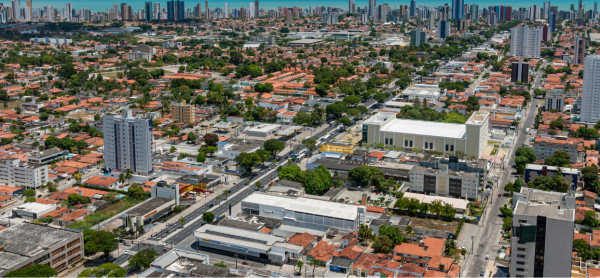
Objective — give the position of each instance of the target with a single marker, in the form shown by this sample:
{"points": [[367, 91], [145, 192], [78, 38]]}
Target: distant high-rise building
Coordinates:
{"points": [[175, 10], [149, 15], [418, 37], [525, 42], [198, 10], [542, 233], [180, 11], [16, 10], [579, 50], [29, 11], [474, 12], [69, 12], [595, 14], [207, 11], [351, 6], [519, 72], [546, 9], [127, 142], [157, 12], [413, 8], [256, 9], [458, 9], [251, 9], [552, 22], [444, 29], [590, 104], [227, 10], [372, 9]]}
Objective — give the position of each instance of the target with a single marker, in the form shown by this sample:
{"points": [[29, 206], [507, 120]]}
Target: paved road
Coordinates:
{"points": [[491, 223]]}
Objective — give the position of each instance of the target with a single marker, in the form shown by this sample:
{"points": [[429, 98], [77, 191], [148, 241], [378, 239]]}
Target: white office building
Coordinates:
{"points": [[590, 104], [14, 172], [525, 42], [542, 234], [127, 142], [470, 138], [305, 212]]}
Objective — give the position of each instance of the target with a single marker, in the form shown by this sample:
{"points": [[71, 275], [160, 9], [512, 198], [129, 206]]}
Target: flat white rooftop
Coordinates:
{"points": [[306, 205], [425, 128]]}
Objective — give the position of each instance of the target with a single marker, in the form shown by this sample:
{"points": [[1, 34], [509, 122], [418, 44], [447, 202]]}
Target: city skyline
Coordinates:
{"points": [[267, 5]]}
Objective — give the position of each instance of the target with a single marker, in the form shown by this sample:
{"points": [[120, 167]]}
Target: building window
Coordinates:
{"points": [[520, 256], [520, 269], [386, 141], [520, 262], [449, 148], [408, 143], [391, 141], [521, 249]]}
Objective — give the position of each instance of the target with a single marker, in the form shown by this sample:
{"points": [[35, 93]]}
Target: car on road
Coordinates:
{"points": [[487, 257], [482, 273], [499, 194], [211, 205], [126, 252]]}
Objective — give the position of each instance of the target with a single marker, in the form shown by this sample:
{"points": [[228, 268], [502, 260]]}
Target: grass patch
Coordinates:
{"points": [[434, 224], [108, 212]]}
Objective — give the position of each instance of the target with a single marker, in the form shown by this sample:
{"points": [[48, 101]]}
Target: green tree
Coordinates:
{"points": [[290, 172], [274, 146], [142, 259], [314, 185], [44, 116], [191, 137], [526, 152], [136, 192], [208, 217], [361, 175], [345, 121], [559, 159], [590, 178], [558, 123], [201, 157], [99, 241], [104, 270], [393, 233], [77, 199], [29, 192], [309, 143], [247, 161], [383, 244], [590, 219], [36, 270]]}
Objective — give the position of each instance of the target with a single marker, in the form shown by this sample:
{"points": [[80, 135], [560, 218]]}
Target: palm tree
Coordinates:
{"points": [[299, 264], [122, 178], [409, 231], [226, 193], [365, 232], [181, 220], [128, 174]]}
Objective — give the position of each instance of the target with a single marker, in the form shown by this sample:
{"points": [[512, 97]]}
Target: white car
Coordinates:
{"points": [[126, 252]]}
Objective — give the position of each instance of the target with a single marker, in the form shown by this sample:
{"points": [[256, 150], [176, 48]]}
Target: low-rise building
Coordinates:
{"points": [[545, 147], [25, 244], [14, 172], [444, 182], [47, 156], [470, 138], [32, 210], [305, 212]]}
